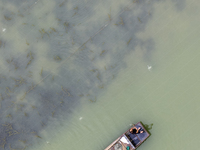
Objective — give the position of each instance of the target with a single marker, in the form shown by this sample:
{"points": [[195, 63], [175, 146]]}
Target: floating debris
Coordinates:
{"points": [[27, 42], [33, 106], [31, 58], [66, 91], [62, 4], [42, 124], [41, 71], [98, 76], [38, 136], [57, 58], [7, 18], [42, 31], [84, 47], [101, 86], [3, 143], [93, 70], [23, 96], [102, 52], [19, 81], [9, 90], [30, 74], [121, 22], [9, 60], [25, 114], [73, 41], [53, 29], [53, 113], [76, 8], [53, 77], [109, 16], [129, 41], [23, 141], [81, 95], [93, 100], [66, 24], [139, 20], [9, 116], [1, 97], [74, 14]]}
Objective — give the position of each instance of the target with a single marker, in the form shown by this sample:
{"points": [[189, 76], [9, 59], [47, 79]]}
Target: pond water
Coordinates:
{"points": [[75, 74]]}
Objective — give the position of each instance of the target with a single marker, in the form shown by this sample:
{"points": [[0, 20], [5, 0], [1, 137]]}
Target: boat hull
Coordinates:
{"points": [[128, 140]]}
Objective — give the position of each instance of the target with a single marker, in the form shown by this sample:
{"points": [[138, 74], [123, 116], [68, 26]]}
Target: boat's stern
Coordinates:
{"points": [[121, 143]]}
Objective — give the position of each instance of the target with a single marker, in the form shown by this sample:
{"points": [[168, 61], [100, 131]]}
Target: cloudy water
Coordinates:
{"points": [[76, 74]]}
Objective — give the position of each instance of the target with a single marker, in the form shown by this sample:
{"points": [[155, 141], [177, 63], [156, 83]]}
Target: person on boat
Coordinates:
{"points": [[135, 130]]}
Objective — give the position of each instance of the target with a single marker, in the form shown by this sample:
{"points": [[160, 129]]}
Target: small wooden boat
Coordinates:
{"points": [[131, 139]]}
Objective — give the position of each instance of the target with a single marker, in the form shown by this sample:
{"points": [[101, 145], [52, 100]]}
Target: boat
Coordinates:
{"points": [[131, 139]]}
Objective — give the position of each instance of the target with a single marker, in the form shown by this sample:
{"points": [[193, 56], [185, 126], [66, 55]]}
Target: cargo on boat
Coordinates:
{"points": [[131, 139]]}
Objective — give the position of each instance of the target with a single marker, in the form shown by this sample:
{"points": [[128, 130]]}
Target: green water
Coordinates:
{"points": [[158, 86], [167, 95]]}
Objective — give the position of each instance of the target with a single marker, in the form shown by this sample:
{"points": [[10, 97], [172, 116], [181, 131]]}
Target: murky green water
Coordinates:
{"points": [[76, 74]]}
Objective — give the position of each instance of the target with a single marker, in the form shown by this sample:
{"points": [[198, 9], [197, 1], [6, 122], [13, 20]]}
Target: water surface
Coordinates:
{"points": [[76, 74]]}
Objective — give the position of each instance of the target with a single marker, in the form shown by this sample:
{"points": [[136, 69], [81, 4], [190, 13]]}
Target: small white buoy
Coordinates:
{"points": [[47, 142], [80, 118], [4, 29], [149, 67]]}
